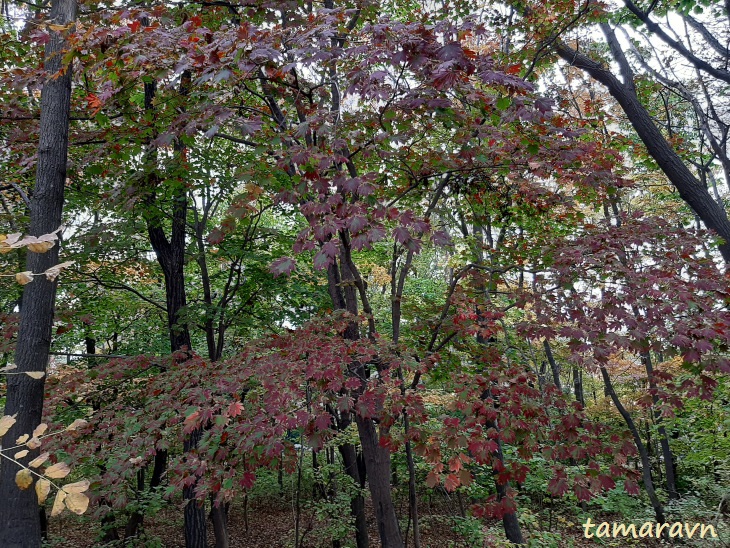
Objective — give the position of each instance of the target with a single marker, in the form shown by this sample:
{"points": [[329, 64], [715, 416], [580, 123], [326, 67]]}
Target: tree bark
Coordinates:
{"points": [[555, 368], [578, 386], [667, 454], [20, 523], [641, 448], [691, 190], [377, 458]]}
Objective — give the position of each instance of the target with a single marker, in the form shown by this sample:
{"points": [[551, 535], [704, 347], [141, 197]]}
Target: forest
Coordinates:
{"points": [[364, 273]]}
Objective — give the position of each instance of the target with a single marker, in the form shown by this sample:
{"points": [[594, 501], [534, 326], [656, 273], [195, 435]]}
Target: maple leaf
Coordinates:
{"points": [[95, 104], [432, 480], [631, 488], [558, 486], [322, 260], [283, 265], [451, 483], [234, 409]]}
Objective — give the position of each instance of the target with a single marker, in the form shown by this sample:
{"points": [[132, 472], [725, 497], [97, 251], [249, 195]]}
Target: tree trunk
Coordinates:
{"points": [[377, 463], [667, 455], [219, 517], [578, 386], [641, 448], [171, 257], [554, 367], [20, 524], [357, 504], [690, 188], [377, 458]]}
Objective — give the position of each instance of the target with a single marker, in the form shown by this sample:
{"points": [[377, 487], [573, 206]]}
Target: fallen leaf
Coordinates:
{"points": [[33, 443], [78, 423], [40, 459], [40, 247], [53, 272]]}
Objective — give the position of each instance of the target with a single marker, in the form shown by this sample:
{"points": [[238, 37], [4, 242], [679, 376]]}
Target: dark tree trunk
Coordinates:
{"points": [[219, 517], [667, 454], [691, 190], [377, 458], [578, 386], [195, 524], [20, 524], [510, 521], [554, 367], [641, 448], [357, 504], [171, 257], [377, 463]]}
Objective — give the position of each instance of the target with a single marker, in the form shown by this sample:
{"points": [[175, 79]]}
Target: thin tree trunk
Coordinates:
{"points": [[667, 454], [510, 522], [578, 386], [555, 368], [219, 517], [20, 523], [377, 463], [357, 503], [643, 454], [171, 257]]}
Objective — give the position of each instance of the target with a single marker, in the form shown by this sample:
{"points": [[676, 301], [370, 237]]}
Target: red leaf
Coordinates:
{"points": [[234, 409], [284, 265], [451, 482]]}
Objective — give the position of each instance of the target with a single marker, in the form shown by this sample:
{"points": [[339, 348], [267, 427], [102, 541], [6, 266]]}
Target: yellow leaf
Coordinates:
{"points": [[5, 423], [22, 439], [59, 28], [24, 278], [78, 423], [35, 374], [40, 459], [23, 478], [40, 430], [40, 247], [78, 487], [20, 454], [33, 443], [53, 272], [8, 367], [77, 503], [42, 488], [58, 471], [58, 504]]}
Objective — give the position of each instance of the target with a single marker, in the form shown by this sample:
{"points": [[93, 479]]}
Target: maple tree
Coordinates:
{"points": [[346, 205]]}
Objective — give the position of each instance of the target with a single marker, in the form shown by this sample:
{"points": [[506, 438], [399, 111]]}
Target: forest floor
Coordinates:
{"points": [[272, 526]]}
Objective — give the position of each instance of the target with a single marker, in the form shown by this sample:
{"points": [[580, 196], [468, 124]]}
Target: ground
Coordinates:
{"points": [[272, 525]]}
